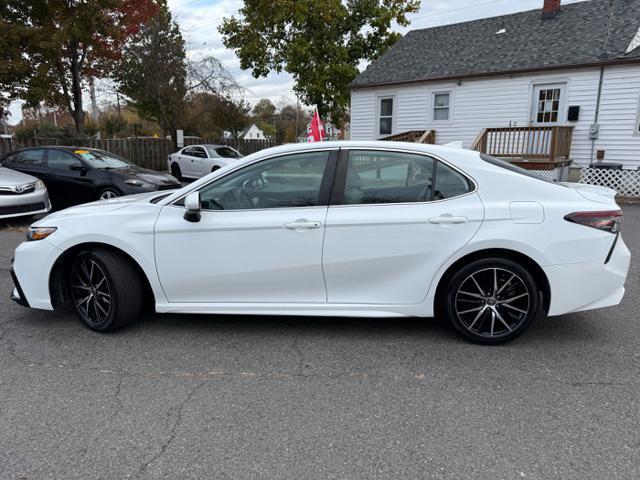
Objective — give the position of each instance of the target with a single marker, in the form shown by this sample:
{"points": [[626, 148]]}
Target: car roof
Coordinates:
{"points": [[62, 147], [215, 145]]}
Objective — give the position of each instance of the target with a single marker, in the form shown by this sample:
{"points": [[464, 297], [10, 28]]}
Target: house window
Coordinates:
{"points": [[385, 122], [441, 106]]}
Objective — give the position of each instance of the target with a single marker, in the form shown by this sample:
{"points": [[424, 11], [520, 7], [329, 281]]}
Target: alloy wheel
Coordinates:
{"points": [[107, 194], [90, 292], [492, 302]]}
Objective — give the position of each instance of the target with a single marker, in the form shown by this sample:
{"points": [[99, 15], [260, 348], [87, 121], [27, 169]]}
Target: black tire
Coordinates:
{"points": [[102, 273], [215, 167], [109, 192], [176, 172], [474, 309]]}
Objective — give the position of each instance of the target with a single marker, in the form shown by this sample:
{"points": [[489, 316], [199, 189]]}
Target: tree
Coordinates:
{"points": [[153, 71], [319, 42], [291, 122], [263, 115], [112, 124], [49, 49], [164, 86]]}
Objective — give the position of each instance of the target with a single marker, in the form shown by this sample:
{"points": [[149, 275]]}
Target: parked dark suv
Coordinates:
{"points": [[75, 175]]}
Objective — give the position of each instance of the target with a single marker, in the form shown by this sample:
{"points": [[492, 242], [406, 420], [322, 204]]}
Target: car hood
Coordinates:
{"points": [[95, 208], [149, 176], [11, 178]]}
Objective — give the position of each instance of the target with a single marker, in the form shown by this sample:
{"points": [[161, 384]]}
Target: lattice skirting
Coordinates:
{"points": [[625, 182], [553, 175]]}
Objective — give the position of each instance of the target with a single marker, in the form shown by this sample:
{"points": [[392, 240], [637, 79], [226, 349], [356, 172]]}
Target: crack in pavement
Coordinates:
{"points": [[173, 430]]}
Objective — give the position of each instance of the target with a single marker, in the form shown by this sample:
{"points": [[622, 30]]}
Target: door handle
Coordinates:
{"points": [[301, 225], [447, 220]]}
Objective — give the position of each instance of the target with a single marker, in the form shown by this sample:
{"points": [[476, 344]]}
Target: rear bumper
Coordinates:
{"points": [[585, 286]]}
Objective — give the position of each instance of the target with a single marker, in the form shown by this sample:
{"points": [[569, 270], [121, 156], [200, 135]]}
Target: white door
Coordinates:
{"points": [[395, 227], [548, 106], [198, 161], [185, 158], [259, 238]]}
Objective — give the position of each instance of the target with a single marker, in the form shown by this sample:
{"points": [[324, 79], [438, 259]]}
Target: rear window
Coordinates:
{"points": [[224, 152], [513, 168]]}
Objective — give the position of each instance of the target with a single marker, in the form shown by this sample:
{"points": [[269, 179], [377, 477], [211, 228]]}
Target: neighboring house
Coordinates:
{"points": [[252, 132], [575, 67]]}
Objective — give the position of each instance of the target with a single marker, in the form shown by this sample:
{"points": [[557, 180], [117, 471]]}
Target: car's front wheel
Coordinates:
{"points": [[105, 289], [176, 172], [107, 193], [492, 300]]}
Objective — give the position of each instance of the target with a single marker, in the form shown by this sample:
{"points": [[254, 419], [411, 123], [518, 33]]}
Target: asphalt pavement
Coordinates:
{"points": [[235, 397]]}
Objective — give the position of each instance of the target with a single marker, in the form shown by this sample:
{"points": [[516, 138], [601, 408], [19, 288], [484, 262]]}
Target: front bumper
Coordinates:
{"points": [[31, 269], [17, 295], [586, 286], [27, 204]]}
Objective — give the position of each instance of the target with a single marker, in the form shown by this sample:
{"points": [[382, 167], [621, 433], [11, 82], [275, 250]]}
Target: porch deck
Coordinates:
{"points": [[533, 147]]}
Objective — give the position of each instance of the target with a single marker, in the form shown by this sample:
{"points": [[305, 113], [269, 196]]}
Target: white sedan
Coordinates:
{"points": [[196, 161], [373, 229]]}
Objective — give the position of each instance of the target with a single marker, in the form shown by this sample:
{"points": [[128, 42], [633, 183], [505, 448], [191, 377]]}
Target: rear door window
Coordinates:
{"points": [[388, 177], [378, 177], [26, 158]]}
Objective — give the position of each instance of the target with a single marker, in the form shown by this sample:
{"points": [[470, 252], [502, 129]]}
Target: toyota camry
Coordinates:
{"points": [[368, 229]]}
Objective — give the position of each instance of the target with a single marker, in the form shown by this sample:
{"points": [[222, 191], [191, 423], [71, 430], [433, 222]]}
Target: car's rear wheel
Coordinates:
{"points": [[492, 300], [107, 193], [105, 290], [175, 171]]}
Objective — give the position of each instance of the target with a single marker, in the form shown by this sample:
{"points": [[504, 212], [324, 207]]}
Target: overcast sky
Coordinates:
{"points": [[199, 21]]}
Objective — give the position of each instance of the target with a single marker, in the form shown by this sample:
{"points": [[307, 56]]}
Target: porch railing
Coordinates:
{"points": [[414, 136], [551, 143]]}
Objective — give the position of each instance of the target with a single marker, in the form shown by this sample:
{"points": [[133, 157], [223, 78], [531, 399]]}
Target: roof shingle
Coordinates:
{"points": [[576, 36]]}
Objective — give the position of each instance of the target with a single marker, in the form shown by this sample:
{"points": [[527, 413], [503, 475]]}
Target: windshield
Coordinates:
{"points": [[224, 152], [511, 167], [101, 159]]}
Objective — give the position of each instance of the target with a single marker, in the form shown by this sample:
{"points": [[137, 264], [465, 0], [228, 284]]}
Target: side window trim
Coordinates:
{"points": [[337, 195]]}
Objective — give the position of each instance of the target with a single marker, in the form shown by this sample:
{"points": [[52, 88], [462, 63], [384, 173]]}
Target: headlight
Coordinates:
{"points": [[38, 233], [40, 185], [139, 183]]}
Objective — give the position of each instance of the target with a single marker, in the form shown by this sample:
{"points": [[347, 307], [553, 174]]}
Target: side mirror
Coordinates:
{"points": [[78, 168], [192, 204]]}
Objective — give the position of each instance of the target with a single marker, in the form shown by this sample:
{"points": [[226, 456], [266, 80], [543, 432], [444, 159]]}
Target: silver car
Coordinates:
{"points": [[21, 194]]}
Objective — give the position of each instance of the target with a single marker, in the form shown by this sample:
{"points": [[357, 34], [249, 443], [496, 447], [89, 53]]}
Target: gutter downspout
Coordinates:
{"points": [[595, 117], [604, 55]]}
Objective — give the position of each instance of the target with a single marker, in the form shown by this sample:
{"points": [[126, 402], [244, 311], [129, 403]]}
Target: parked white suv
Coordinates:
{"points": [[196, 161], [21, 194]]}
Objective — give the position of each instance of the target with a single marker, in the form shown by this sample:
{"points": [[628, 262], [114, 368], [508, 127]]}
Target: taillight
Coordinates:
{"points": [[609, 221]]}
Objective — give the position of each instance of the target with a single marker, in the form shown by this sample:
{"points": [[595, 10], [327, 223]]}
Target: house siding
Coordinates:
{"points": [[506, 100]]}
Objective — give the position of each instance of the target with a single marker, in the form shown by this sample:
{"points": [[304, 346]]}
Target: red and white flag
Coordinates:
{"points": [[316, 130]]}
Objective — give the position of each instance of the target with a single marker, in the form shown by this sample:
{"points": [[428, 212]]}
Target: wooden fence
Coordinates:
{"points": [[147, 152]]}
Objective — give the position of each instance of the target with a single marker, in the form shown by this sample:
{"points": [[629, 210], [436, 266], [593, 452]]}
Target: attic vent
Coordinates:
{"points": [[635, 43]]}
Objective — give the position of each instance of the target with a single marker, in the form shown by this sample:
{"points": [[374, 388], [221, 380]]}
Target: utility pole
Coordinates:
{"points": [[297, 109]]}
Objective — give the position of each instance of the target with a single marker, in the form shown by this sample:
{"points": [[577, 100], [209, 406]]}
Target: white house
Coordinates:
{"points": [[563, 81], [252, 132]]}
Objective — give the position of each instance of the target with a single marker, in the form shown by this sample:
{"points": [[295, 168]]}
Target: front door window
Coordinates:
{"points": [[548, 104]]}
